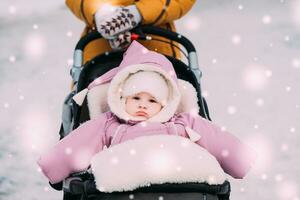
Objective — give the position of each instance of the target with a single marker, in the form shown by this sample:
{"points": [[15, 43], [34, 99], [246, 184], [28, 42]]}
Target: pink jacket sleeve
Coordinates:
{"points": [[235, 157], [74, 152]]}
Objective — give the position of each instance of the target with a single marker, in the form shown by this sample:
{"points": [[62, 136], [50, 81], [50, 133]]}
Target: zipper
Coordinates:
{"points": [[115, 134]]}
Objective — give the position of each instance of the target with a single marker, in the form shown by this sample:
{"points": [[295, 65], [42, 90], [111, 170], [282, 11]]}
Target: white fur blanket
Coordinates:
{"points": [[154, 160]]}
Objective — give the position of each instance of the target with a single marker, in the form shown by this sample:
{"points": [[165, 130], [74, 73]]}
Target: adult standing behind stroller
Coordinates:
{"points": [[114, 18]]}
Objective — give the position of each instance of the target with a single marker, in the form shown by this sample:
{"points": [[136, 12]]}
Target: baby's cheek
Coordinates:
{"points": [[129, 107]]}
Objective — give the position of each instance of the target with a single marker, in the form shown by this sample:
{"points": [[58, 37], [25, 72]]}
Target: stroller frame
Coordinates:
{"points": [[81, 185]]}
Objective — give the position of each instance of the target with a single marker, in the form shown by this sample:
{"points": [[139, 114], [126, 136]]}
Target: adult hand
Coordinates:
{"points": [[120, 41], [112, 21]]}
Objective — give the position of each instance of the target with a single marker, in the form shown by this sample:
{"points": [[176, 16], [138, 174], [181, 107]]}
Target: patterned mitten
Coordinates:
{"points": [[115, 20], [120, 41]]}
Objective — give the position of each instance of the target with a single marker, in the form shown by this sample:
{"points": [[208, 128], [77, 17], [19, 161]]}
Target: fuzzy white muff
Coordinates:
{"points": [[154, 160]]}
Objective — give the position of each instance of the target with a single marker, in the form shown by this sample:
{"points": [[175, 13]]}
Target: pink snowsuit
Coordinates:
{"points": [[90, 138], [74, 152]]}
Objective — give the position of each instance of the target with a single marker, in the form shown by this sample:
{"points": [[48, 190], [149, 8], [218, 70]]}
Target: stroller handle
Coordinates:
{"points": [[141, 31], [145, 29]]}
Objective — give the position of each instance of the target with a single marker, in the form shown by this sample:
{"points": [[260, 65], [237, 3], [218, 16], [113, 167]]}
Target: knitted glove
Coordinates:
{"points": [[112, 21], [120, 41]]}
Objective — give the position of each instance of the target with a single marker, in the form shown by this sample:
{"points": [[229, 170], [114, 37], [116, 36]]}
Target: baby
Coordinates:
{"points": [[143, 89]]}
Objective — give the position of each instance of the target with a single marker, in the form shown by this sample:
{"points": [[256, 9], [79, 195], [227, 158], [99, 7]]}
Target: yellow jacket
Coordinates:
{"points": [[160, 13]]}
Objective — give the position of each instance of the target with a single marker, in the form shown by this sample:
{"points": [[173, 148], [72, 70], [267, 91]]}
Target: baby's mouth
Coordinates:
{"points": [[141, 113]]}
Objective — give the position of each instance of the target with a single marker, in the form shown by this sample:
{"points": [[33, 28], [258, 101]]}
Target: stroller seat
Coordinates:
{"points": [[82, 186]]}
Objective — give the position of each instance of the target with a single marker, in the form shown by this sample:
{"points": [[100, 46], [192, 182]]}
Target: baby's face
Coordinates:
{"points": [[142, 105]]}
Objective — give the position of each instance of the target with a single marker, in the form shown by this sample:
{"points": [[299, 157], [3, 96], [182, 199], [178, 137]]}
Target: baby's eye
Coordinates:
{"points": [[153, 101], [136, 98]]}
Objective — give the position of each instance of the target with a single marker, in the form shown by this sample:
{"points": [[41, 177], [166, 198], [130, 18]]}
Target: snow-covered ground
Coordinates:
{"points": [[249, 52]]}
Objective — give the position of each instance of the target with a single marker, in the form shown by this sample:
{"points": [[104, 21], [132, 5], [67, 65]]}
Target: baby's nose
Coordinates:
{"points": [[143, 106]]}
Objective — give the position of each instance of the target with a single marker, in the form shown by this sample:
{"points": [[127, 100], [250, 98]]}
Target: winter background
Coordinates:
{"points": [[249, 52]]}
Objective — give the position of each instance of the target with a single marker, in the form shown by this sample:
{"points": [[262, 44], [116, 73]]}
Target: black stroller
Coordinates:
{"points": [[81, 186]]}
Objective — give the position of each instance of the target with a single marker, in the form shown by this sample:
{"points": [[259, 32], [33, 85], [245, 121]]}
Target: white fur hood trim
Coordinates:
{"points": [[97, 99], [154, 160]]}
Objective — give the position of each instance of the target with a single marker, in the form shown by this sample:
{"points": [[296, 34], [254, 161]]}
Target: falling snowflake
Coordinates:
{"points": [[292, 130], [223, 128], [296, 63], [193, 112], [278, 177], [159, 161], [255, 77], [70, 62], [268, 73], [184, 143], [287, 190], [114, 160], [34, 46], [178, 169], [12, 9], [21, 97], [69, 33], [214, 61], [264, 177], [107, 9], [131, 196], [288, 88], [231, 110], [143, 124], [225, 153], [160, 198], [240, 7], [192, 23], [171, 73], [6, 105], [205, 93], [12, 59], [144, 51], [132, 151], [236, 39], [35, 26], [46, 189], [259, 102], [266, 19], [287, 38], [263, 148], [68, 150]]}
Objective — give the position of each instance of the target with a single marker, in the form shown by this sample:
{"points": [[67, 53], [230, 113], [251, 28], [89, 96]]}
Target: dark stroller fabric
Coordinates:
{"points": [[190, 191], [158, 196]]}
